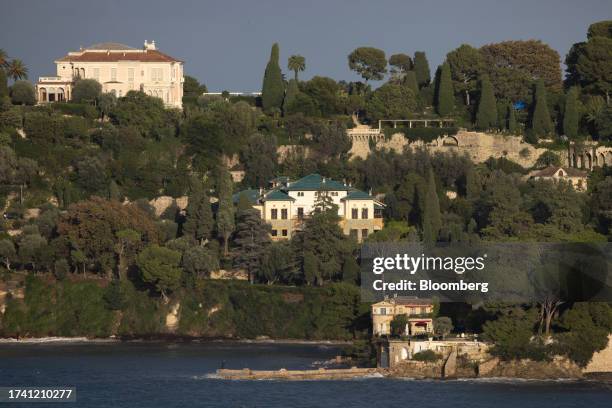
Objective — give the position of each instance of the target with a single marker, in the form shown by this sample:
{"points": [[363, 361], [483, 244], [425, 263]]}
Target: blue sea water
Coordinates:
{"points": [[144, 375]]}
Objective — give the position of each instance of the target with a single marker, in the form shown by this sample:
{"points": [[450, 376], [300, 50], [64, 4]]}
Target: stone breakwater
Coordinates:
{"points": [[282, 374]]}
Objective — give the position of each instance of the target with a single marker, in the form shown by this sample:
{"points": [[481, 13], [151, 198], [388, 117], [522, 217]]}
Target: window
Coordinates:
{"points": [[157, 74], [113, 74], [284, 214], [300, 213], [96, 74], [130, 74], [364, 233], [274, 232], [354, 213], [274, 213], [300, 194], [364, 213], [334, 193], [284, 233], [383, 311]]}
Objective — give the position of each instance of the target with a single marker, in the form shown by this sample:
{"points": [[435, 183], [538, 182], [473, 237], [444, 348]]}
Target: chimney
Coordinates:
{"points": [[149, 45]]}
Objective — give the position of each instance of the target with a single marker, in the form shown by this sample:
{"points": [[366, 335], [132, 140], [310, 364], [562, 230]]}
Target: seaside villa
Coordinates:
{"points": [[119, 69], [287, 204], [418, 311]]}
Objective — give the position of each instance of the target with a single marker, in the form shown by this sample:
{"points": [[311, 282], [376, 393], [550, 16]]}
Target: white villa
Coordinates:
{"points": [[287, 204], [119, 68]]}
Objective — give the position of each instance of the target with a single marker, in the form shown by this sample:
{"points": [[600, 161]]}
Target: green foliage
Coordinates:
{"points": [[600, 29], [511, 118], [427, 356], [400, 64], [86, 91], [296, 63], [144, 113], [291, 97], [571, 115], [390, 101], [23, 93], [443, 325], [159, 266], [325, 95], [250, 241], [4, 91], [225, 211], [486, 117], [410, 82], [445, 97], [398, 325], [278, 264], [431, 221], [540, 124], [259, 158], [548, 158], [370, 63], [273, 89], [421, 69], [199, 224], [466, 66]]}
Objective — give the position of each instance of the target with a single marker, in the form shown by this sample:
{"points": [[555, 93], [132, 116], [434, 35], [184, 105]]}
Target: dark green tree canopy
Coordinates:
{"points": [[23, 93], [445, 97], [486, 116], [368, 62], [466, 66], [86, 90], [273, 89], [421, 68]]}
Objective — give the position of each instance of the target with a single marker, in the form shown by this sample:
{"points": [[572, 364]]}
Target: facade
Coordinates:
{"points": [[120, 69], [287, 204], [418, 311], [577, 178], [393, 352]]}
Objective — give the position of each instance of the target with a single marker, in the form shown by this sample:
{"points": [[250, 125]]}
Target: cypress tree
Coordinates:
{"points": [[251, 239], [273, 92], [432, 220], [511, 117], [3, 84], [486, 116], [444, 88], [571, 116], [199, 222], [541, 125], [292, 93], [225, 213], [421, 69], [410, 82]]}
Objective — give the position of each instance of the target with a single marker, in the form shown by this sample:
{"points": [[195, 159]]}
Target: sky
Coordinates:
{"points": [[226, 44]]}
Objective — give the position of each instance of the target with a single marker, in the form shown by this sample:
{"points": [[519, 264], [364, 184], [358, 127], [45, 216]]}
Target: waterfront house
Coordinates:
{"points": [[419, 314], [119, 69]]}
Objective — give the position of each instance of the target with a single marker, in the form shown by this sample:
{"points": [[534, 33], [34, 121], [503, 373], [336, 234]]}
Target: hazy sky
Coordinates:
{"points": [[226, 44]]}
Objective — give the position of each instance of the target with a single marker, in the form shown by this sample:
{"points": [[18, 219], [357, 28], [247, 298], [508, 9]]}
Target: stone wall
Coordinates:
{"points": [[601, 362], [477, 145]]}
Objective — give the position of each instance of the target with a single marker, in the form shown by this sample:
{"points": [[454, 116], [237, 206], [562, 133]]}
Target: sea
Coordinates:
{"points": [[162, 374]]}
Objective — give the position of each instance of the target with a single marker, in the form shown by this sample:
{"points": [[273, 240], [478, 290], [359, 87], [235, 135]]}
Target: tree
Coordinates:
{"points": [[310, 268], [368, 62], [390, 101], [398, 325], [17, 70], [199, 219], [4, 91], [199, 261], [432, 220], [86, 91], [106, 102], [259, 157], [128, 242], [23, 93], [278, 264], [31, 249], [296, 63], [486, 117], [511, 118], [444, 92], [400, 65], [443, 326], [350, 269], [325, 93], [273, 89], [192, 87], [548, 158], [541, 124], [421, 69], [290, 97], [251, 239], [410, 82], [4, 59], [225, 212], [160, 266], [7, 252], [571, 115], [513, 65], [466, 67], [594, 66], [511, 333]]}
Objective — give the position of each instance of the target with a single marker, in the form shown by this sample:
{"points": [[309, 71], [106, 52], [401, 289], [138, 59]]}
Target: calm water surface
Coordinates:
{"points": [[143, 375]]}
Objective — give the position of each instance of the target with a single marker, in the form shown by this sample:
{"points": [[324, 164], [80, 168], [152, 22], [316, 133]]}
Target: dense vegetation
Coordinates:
{"points": [[77, 178]]}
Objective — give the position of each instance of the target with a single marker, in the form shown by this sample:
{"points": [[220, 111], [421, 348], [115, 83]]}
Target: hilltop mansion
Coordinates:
{"points": [[119, 68], [286, 204]]}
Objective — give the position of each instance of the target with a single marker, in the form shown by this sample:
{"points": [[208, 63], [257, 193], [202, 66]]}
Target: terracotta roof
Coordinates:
{"points": [[114, 56], [551, 170], [109, 46]]}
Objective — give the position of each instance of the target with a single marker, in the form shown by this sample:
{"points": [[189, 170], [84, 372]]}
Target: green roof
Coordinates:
{"points": [[357, 195], [316, 182], [277, 195], [251, 194]]}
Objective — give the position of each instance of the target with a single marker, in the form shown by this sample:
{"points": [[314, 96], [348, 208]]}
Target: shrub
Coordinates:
{"points": [[427, 356]]}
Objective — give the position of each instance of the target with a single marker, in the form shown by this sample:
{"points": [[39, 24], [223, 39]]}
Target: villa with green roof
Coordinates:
{"points": [[288, 203]]}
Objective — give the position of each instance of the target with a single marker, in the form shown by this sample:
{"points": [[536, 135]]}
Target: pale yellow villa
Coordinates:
{"points": [[119, 68], [418, 312], [287, 204]]}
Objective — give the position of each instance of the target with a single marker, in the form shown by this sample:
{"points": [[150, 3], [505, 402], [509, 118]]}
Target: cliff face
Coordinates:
{"points": [[601, 362], [536, 370]]}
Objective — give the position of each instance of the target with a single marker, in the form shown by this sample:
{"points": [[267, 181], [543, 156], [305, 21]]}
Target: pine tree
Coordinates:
{"points": [[251, 239], [199, 222], [444, 95], [225, 213], [421, 69], [291, 95], [410, 82], [541, 125], [571, 116], [273, 92], [511, 118], [486, 116], [432, 220]]}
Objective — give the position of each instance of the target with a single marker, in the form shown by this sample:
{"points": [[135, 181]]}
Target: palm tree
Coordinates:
{"points": [[3, 58], [296, 63], [16, 69]]}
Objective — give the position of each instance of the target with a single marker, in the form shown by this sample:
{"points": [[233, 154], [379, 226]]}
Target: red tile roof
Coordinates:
{"points": [[552, 170], [97, 56]]}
